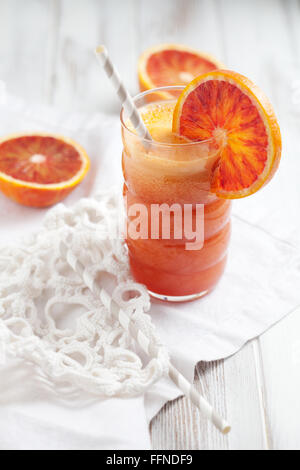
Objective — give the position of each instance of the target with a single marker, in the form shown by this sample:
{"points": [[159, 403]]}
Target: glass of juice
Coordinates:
{"points": [[177, 231]]}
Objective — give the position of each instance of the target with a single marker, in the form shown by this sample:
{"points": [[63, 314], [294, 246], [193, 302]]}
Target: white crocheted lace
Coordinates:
{"points": [[50, 318]]}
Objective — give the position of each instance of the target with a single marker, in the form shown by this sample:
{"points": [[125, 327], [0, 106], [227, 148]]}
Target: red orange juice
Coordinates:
{"points": [[170, 170]]}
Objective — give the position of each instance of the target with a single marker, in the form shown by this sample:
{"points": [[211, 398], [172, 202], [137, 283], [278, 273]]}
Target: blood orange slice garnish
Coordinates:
{"points": [[39, 170], [228, 107], [173, 64]]}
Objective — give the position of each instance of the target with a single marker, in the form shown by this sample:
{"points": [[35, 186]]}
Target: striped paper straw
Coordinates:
{"points": [[125, 98], [128, 324]]}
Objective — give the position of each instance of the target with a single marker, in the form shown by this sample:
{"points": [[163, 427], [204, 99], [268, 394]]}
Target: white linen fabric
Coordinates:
{"points": [[260, 286]]}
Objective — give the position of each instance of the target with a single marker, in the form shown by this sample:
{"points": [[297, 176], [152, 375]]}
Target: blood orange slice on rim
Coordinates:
{"points": [[228, 107], [173, 64], [39, 170]]}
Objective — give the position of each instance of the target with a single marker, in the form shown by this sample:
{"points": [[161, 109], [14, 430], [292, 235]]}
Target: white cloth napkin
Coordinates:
{"points": [[260, 286]]}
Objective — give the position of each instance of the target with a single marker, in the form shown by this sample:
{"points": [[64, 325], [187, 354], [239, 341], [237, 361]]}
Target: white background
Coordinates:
{"points": [[46, 55]]}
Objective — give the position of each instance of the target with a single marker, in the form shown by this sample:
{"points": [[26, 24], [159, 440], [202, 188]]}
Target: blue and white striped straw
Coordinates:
{"points": [[125, 98], [129, 325]]}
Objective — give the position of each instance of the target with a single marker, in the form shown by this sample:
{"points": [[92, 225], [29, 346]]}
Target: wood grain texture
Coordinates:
{"points": [[46, 55], [280, 359], [79, 82], [24, 46], [234, 388]]}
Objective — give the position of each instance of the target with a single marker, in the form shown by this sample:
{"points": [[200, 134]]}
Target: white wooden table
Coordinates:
{"points": [[46, 55]]}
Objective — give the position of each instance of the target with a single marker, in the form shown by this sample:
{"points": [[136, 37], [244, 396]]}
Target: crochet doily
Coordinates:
{"points": [[50, 318]]}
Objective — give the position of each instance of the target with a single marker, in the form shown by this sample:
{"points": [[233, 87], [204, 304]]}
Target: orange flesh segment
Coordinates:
{"points": [[176, 67], [220, 109], [41, 160]]}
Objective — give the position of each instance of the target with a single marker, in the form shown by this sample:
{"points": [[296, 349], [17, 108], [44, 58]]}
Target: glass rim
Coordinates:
{"points": [[164, 89]]}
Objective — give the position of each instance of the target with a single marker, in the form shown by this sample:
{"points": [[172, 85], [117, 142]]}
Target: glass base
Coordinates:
{"points": [[180, 298]]}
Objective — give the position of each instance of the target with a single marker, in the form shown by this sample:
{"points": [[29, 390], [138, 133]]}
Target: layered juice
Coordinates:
{"points": [[170, 171]]}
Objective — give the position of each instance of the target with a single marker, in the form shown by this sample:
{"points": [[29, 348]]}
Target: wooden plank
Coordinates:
{"points": [[280, 346], [258, 47], [52, 50], [80, 84], [24, 47], [245, 400], [280, 352], [179, 426], [291, 16], [234, 387], [195, 23]]}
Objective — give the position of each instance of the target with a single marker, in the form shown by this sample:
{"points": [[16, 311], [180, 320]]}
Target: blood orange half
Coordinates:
{"points": [[228, 107], [39, 170], [173, 64]]}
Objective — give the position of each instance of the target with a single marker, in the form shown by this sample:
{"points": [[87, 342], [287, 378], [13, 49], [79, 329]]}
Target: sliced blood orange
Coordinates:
{"points": [[39, 170], [228, 107], [173, 64]]}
